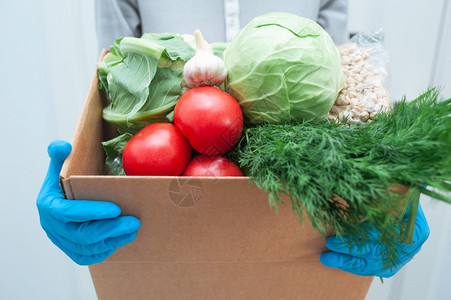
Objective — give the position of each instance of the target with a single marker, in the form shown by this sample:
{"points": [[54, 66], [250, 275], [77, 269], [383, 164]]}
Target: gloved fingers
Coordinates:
{"points": [[87, 233], [95, 248], [351, 264], [80, 259], [79, 210], [340, 245], [93, 259], [355, 265], [58, 151]]}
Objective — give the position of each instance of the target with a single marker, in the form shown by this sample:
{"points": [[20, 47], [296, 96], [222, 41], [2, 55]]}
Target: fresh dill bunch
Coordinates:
{"points": [[344, 176]]}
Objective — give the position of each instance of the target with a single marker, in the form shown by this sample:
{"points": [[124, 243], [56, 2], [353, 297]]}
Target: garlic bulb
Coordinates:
{"points": [[204, 68]]}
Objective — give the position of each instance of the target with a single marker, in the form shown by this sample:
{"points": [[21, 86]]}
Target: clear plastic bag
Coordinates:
{"points": [[115, 168], [365, 63]]}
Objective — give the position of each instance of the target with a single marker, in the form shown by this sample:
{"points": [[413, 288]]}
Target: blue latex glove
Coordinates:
{"points": [[368, 261], [87, 231]]}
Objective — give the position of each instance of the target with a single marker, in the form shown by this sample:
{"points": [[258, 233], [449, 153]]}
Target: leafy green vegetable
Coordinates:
{"points": [[113, 149], [319, 165], [142, 79], [283, 68], [176, 47]]}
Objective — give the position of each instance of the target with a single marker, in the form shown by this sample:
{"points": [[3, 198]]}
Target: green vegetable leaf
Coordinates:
{"points": [[142, 79], [113, 149], [176, 47], [129, 87], [112, 58], [163, 93], [165, 90], [140, 46], [304, 32]]}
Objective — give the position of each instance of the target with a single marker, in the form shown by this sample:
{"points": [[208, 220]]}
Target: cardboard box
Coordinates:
{"points": [[201, 238]]}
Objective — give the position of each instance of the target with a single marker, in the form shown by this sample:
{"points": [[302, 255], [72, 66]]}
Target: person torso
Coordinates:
{"points": [[216, 19]]}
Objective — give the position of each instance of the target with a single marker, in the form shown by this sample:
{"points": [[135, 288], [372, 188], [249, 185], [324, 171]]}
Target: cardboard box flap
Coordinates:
{"points": [[87, 156]]}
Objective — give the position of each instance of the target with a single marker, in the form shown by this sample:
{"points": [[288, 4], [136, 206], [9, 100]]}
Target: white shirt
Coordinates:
{"points": [[218, 20]]}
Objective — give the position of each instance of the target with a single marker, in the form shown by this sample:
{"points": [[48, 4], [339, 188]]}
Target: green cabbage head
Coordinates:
{"points": [[283, 68]]}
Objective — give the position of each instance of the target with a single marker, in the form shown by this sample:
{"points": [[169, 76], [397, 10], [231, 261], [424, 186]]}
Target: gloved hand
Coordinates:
{"points": [[368, 260], [87, 231]]}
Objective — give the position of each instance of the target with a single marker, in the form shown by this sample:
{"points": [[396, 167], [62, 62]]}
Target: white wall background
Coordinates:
{"points": [[47, 58]]}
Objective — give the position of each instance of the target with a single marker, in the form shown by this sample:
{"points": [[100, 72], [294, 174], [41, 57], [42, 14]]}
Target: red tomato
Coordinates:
{"points": [[210, 119], [203, 165], [159, 149]]}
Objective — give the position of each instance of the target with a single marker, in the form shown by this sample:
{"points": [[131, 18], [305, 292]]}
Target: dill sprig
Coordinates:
{"points": [[319, 165]]}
